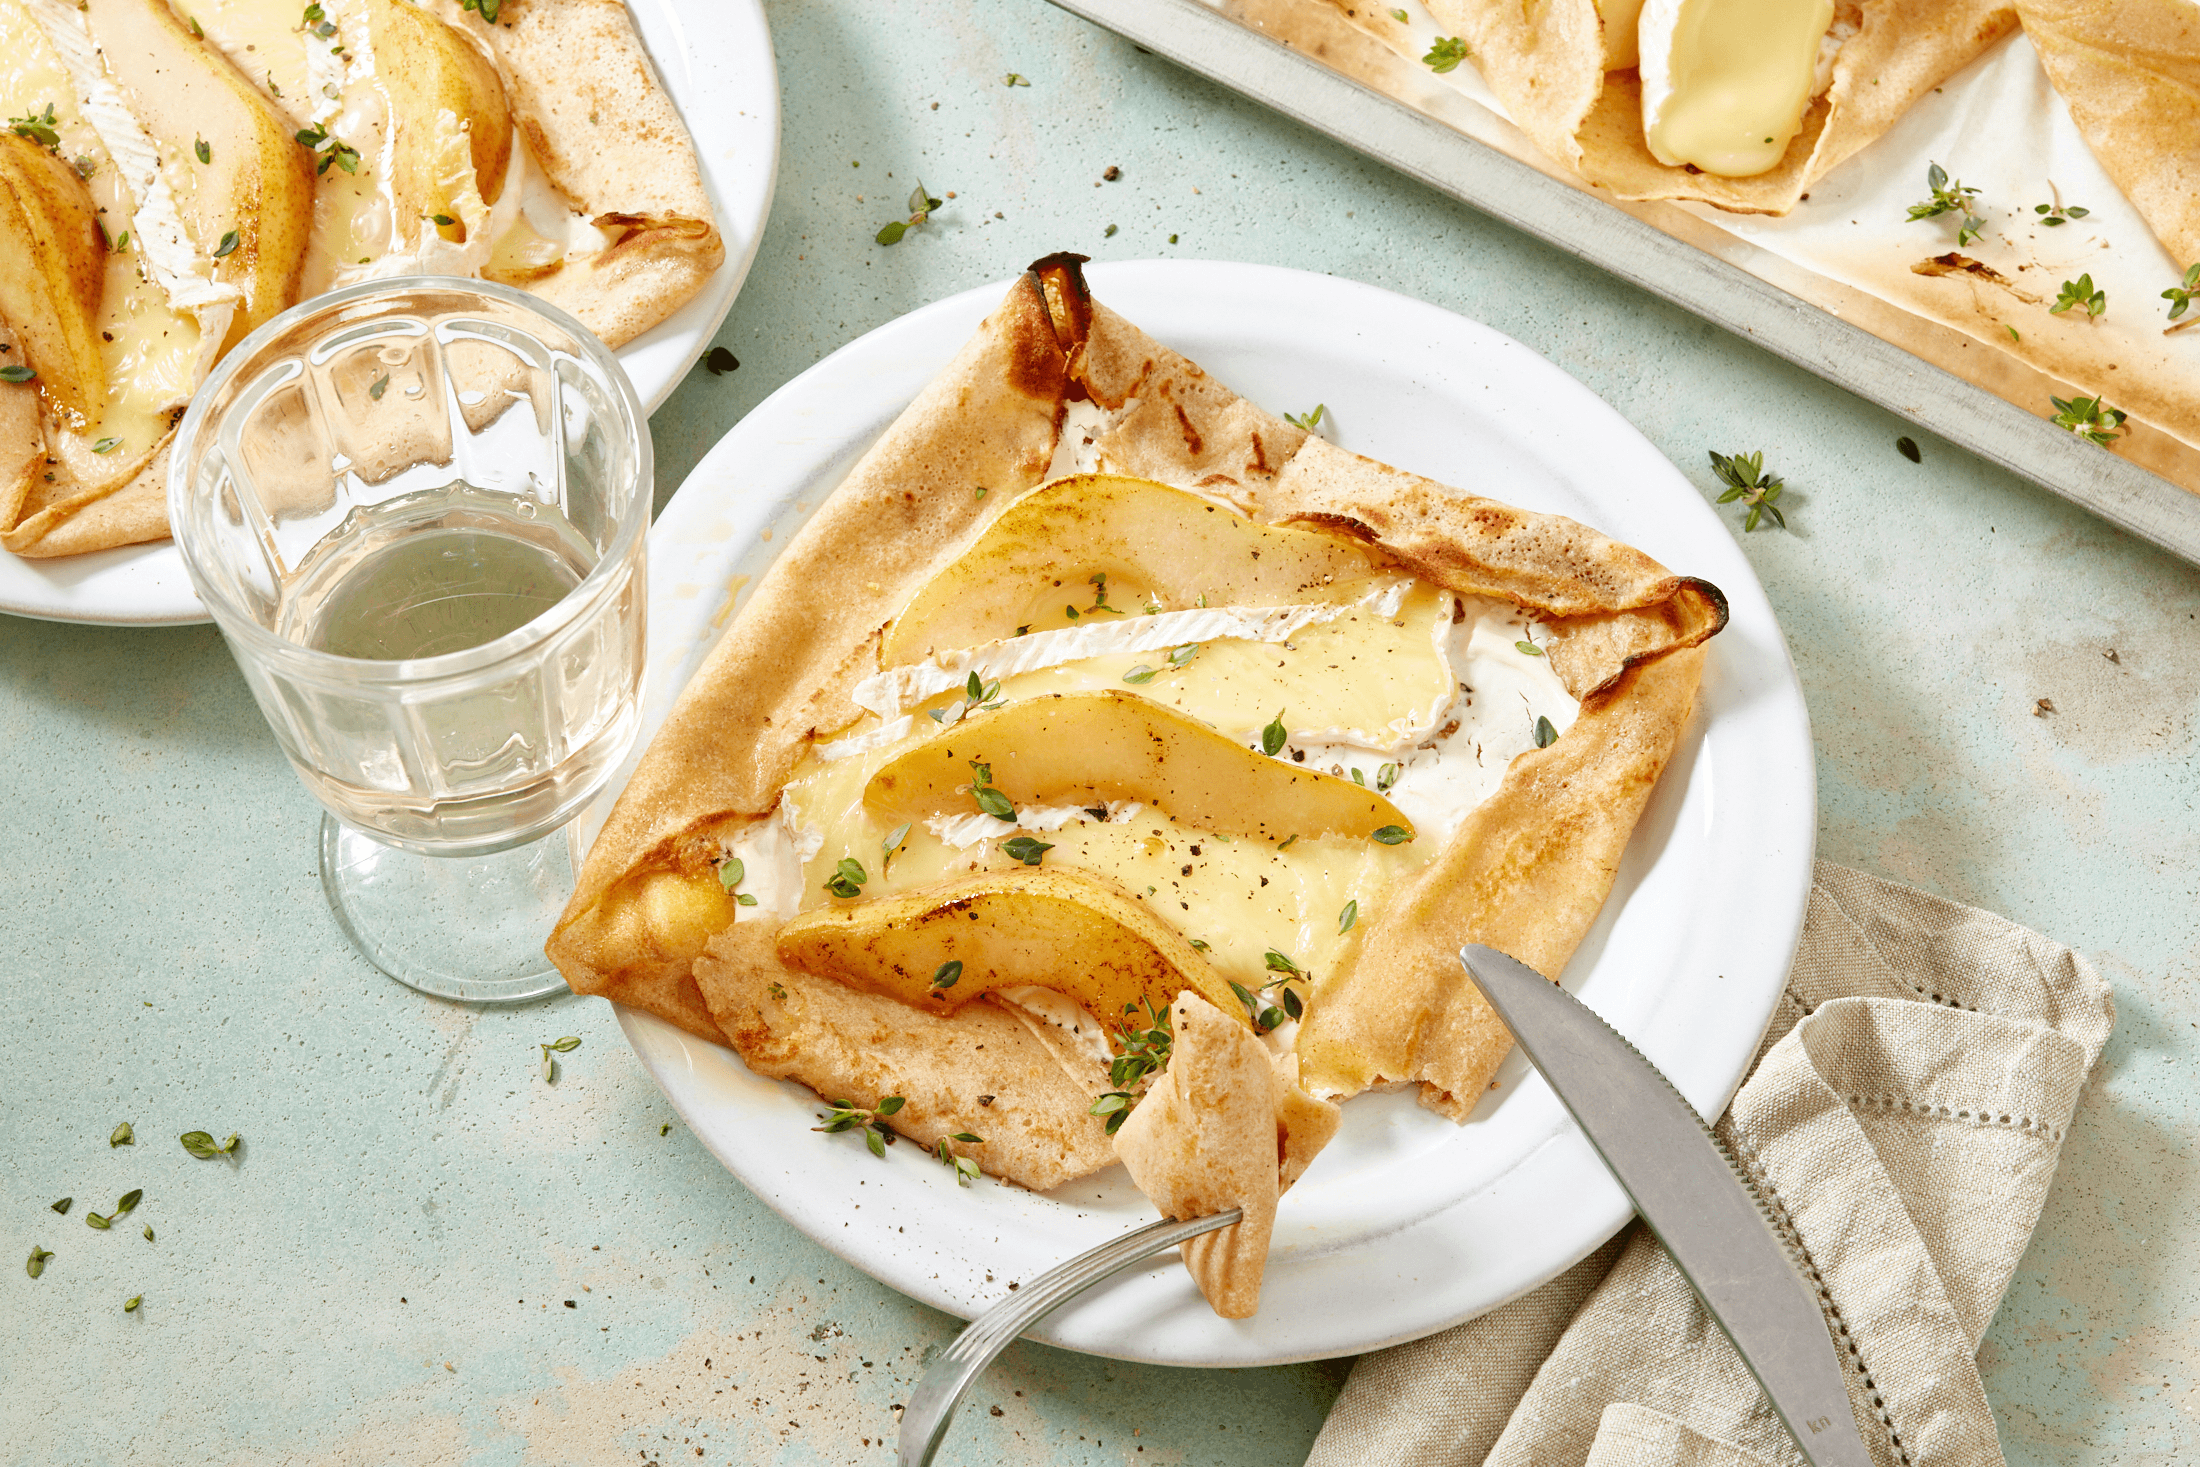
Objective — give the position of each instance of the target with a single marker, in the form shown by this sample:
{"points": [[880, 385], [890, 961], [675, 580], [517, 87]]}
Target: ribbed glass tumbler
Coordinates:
{"points": [[416, 509]]}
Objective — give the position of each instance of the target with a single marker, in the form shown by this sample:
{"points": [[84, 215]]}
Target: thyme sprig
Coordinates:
{"points": [[1745, 477], [1308, 421], [848, 879], [848, 1116], [2090, 418], [2181, 297], [979, 696], [1145, 1045], [2058, 214], [1950, 197], [1025, 848], [2080, 292], [732, 871], [921, 206], [559, 1046], [486, 9], [1446, 53], [1178, 657], [39, 127], [990, 800], [965, 1168], [329, 149]]}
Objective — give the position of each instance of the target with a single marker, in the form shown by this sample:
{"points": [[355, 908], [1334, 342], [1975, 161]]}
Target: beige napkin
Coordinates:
{"points": [[1904, 1118]]}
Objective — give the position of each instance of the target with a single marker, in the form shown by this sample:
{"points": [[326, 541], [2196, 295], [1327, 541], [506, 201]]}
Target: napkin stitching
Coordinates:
{"points": [[1763, 1179], [1950, 1113]]}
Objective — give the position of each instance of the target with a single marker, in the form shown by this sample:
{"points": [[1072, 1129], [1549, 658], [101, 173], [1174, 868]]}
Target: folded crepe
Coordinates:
{"points": [[1528, 872], [537, 150], [1546, 63], [1223, 1127], [2130, 71]]}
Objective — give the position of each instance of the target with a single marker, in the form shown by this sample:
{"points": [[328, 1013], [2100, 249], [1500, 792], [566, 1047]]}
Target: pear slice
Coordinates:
{"points": [[1092, 747], [1061, 930], [249, 204], [1040, 557], [452, 134], [53, 268]]}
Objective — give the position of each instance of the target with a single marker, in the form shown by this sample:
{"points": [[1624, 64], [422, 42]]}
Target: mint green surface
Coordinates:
{"points": [[381, 1273]]}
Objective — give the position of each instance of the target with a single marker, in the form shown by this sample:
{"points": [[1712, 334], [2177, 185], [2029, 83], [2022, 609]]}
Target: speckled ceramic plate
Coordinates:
{"points": [[716, 60], [1407, 1223]]}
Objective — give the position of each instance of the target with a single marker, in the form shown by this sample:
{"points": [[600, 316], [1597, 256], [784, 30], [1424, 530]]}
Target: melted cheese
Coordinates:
{"points": [[154, 354], [1430, 694], [1725, 82]]}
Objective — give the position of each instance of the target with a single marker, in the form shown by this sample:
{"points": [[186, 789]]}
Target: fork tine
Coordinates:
{"points": [[932, 1404]]}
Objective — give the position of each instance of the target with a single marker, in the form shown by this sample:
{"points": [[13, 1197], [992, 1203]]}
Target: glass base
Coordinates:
{"points": [[468, 928]]}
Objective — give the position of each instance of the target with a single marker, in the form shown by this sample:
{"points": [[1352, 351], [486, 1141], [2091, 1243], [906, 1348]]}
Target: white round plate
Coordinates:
{"points": [[1407, 1223], [715, 58]]}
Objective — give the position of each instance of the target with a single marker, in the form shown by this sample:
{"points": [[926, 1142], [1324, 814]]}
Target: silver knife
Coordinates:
{"points": [[1701, 1206]]}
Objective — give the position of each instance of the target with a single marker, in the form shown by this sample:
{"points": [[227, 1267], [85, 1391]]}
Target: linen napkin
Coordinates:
{"points": [[1904, 1117]]}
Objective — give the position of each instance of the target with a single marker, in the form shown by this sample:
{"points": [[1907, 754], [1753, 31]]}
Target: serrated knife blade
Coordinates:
{"points": [[1699, 1204]]}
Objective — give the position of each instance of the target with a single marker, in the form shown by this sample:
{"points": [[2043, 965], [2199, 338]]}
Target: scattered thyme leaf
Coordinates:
{"points": [[200, 1145], [1140, 674], [487, 9], [94, 1220], [1950, 197], [129, 1305], [62, 1206], [227, 247], [1026, 849], [1546, 734], [1385, 777], [1014, 79], [122, 1136], [1745, 477], [127, 1204], [1527, 649], [947, 974], [1391, 835], [2090, 418], [1907, 447], [204, 150], [890, 845], [18, 373], [1308, 421], [37, 1263], [1272, 737], [381, 385], [566, 1045], [718, 362], [1349, 916], [1446, 54], [2080, 292], [148, 1233], [1398, 16], [1277, 962]]}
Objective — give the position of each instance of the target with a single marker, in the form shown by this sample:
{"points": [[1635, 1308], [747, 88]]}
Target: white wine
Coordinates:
{"points": [[431, 573], [500, 749]]}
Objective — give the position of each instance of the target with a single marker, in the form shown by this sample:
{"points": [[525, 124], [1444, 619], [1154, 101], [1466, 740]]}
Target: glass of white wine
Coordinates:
{"points": [[416, 509]]}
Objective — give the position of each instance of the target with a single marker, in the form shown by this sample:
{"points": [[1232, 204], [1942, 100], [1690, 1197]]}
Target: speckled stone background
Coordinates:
{"points": [[424, 1254]]}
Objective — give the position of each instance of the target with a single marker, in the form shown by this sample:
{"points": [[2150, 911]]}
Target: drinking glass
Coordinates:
{"points": [[415, 508]]}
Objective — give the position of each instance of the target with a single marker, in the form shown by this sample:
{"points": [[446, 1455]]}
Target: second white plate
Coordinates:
{"points": [[716, 61], [1407, 1223]]}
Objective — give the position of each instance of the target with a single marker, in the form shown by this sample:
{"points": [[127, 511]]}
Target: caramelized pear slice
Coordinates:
{"points": [[453, 127], [53, 267], [1072, 933], [1154, 545], [1089, 748], [249, 200]]}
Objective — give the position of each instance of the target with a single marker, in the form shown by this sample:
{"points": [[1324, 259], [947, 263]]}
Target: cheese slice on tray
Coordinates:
{"points": [[258, 152], [1232, 726]]}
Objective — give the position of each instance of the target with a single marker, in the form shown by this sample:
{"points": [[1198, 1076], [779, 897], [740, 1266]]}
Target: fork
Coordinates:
{"points": [[932, 1405]]}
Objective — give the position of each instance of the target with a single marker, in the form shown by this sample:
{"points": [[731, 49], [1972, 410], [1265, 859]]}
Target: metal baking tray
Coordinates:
{"points": [[1210, 42]]}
